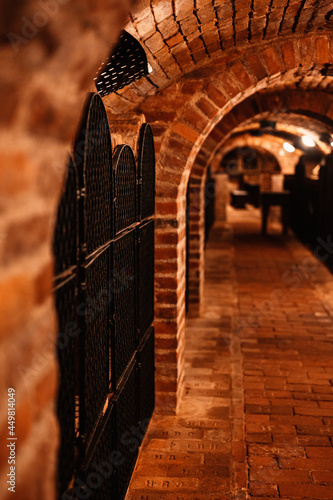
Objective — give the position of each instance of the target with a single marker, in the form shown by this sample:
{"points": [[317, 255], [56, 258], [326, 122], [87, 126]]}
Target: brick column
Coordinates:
{"points": [[38, 122], [169, 307], [221, 196]]}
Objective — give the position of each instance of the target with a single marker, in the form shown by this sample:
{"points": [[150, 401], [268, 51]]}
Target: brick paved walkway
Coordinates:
{"points": [[257, 419]]}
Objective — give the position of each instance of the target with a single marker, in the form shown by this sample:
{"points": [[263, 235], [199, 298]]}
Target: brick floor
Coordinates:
{"points": [[257, 418]]}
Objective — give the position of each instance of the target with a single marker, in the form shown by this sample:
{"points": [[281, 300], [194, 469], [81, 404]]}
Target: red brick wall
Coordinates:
{"points": [[268, 147], [48, 60]]}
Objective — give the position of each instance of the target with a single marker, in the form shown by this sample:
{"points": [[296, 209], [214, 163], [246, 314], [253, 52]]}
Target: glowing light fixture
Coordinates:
{"points": [[150, 69], [332, 144], [288, 147], [308, 141]]}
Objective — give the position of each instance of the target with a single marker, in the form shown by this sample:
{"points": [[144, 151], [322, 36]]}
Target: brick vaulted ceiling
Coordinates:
{"points": [[180, 36], [295, 111], [209, 56]]}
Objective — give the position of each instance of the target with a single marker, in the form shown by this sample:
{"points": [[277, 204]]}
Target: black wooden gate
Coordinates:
{"points": [[104, 289]]}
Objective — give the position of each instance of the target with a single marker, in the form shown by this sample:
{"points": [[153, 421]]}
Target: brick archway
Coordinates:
{"points": [[184, 119], [196, 234]]}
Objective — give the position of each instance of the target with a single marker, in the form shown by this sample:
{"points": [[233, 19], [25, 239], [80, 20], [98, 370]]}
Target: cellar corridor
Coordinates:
{"points": [[256, 419], [127, 129]]}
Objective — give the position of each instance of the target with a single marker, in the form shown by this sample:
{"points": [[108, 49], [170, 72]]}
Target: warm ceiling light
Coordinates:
{"points": [[288, 147], [332, 144], [150, 69], [308, 141]]}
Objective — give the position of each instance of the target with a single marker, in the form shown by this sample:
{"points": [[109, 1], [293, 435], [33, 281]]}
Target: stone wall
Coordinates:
{"points": [[50, 51]]}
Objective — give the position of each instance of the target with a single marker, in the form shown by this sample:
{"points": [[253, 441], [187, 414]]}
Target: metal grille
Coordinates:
{"points": [[65, 298], [101, 307], [65, 236], [127, 63], [146, 172], [124, 188], [97, 178], [123, 342], [95, 304], [126, 426], [99, 473], [146, 376], [145, 277]]}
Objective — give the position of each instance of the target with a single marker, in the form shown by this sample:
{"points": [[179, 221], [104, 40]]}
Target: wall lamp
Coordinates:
{"points": [[308, 141]]}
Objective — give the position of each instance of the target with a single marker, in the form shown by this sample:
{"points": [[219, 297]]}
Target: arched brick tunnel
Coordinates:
{"points": [[219, 68]]}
